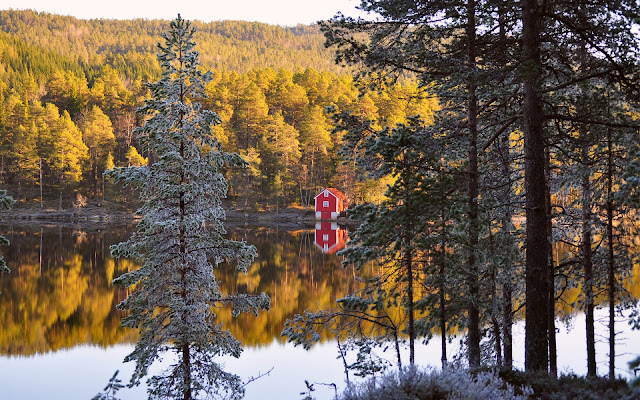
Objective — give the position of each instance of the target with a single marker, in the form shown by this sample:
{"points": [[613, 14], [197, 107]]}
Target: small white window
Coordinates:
{"points": [[325, 204], [326, 194], [325, 236]]}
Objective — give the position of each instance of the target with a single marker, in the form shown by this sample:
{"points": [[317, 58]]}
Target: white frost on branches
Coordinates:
{"points": [[180, 238]]}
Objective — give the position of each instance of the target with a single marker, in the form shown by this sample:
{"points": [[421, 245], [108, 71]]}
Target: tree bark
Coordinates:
{"points": [[410, 307], [495, 303], [536, 264], [610, 261], [442, 282], [587, 264], [41, 175], [507, 322], [507, 224], [185, 345], [551, 274], [473, 327]]}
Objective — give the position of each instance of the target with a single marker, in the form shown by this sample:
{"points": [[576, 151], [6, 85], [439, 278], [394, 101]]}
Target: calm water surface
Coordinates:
{"points": [[60, 334]]}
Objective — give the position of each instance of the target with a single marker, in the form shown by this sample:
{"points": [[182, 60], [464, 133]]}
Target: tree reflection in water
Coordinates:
{"points": [[59, 293]]}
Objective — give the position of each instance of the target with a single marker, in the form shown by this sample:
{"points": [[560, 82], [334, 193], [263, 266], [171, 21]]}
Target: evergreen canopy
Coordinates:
{"points": [[181, 235]]}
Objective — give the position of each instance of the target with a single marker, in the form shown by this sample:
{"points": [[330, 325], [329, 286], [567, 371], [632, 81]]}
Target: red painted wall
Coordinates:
{"points": [[334, 203], [329, 238]]}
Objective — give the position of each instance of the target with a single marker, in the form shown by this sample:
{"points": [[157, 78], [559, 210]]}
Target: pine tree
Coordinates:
{"points": [[405, 235], [181, 235], [281, 152], [97, 134], [446, 55], [134, 159], [68, 151]]}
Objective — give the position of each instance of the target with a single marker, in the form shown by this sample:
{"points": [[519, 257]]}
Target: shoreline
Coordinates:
{"points": [[108, 215]]}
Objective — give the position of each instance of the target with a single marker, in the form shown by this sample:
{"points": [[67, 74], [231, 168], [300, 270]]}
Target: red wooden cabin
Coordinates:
{"points": [[330, 203]]}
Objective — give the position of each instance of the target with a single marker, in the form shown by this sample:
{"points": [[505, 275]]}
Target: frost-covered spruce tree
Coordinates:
{"points": [[180, 239]]}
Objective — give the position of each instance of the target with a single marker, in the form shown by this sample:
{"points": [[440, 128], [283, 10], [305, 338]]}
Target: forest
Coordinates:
{"points": [[523, 186], [67, 116], [492, 157]]}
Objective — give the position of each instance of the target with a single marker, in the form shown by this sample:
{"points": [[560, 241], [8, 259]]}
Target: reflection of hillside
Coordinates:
{"points": [[571, 300], [59, 295], [292, 272]]}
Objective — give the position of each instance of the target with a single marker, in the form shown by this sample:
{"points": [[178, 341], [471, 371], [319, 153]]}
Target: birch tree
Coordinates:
{"points": [[179, 239]]}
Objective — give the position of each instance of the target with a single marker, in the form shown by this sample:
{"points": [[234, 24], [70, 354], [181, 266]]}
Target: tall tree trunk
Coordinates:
{"points": [[507, 286], [41, 175], [473, 326], [442, 282], [507, 323], [536, 264], [587, 264], [495, 303], [610, 261], [551, 275], [410, 307], [96, 182], [396, 341], [185, 345], [186, 361], [507, 224]]}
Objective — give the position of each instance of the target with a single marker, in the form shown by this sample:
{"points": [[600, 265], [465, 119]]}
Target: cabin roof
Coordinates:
{"points": [[335, 192]]}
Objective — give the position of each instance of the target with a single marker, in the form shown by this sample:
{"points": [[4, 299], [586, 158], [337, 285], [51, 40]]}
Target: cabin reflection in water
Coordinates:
{"points": [[330, 237]]}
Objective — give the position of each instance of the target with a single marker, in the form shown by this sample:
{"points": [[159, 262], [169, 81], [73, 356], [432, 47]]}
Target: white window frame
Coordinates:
{"points": [[325, 204]]}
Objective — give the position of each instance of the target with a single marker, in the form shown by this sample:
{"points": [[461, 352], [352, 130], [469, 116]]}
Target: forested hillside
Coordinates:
{"points": [[69, 89], [130, 45]]}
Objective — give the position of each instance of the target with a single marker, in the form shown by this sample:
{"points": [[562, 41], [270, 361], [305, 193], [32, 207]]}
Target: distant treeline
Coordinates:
{"points": [[69, 89], [129, 46]]}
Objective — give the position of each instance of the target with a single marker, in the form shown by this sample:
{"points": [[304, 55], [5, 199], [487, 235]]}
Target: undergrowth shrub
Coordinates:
{"points": [[415, 384], [570, 386], [487, 384]]}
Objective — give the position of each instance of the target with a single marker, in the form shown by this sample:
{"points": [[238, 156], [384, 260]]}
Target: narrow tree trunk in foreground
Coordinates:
{"points": [[588, 272], [584, 141], [473, 326], [610, 261], [551, 327], [410, 307], [495, 304], [507, 218], [442, 284]]}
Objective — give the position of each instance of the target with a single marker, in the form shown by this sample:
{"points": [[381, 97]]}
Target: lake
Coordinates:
{"points": [[60, 334]]}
